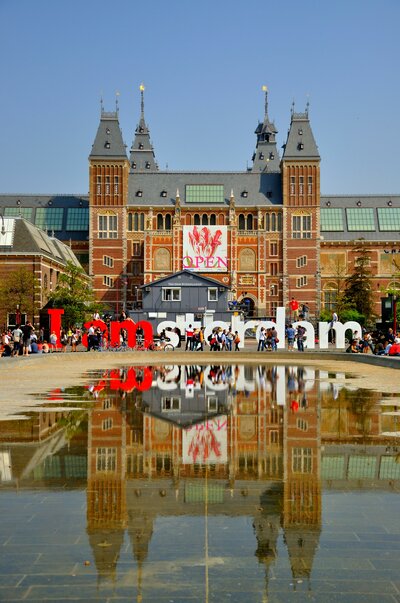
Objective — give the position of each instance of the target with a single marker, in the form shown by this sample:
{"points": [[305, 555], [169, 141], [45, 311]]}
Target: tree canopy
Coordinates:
{"points": [[74, 294], [17, 290], [358, 286]]}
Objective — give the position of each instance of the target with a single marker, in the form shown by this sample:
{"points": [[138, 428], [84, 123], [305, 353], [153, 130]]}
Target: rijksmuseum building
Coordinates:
{"points": [[267, 233]]}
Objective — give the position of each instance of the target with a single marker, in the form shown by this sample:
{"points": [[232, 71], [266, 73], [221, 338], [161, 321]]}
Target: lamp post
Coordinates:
{"points": [[3, 228], [395, 314]]}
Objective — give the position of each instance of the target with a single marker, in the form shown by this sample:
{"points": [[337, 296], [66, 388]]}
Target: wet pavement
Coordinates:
{"points": [[202, 482]]}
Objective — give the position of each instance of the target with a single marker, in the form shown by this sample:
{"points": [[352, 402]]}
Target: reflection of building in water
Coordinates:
{"points": [[302, 476], [106, 488], [264, 461], [242, 472]]}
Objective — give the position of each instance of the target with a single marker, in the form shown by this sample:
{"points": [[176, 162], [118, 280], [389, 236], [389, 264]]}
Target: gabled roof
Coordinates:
{"points": [[108, 143], [300, 143], [192, 275]]}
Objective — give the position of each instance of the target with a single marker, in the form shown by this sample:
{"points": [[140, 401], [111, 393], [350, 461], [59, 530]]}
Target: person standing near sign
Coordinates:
{"points": [[294, 308]]}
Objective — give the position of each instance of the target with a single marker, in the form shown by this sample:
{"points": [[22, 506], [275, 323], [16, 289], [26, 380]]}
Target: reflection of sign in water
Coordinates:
{"points": [[205, 248], [206, 442]]}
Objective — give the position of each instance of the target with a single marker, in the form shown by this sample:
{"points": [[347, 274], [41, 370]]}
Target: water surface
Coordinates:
{"points": [[218, 483]]}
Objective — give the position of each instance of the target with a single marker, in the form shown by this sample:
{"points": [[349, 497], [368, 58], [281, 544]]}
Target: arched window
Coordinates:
{"points": [[204, 219], [213, 219], [141, 221], [242, 222], [249, 222], [279, 222], [135, 222], [267, 227], [130, 221], [160, 222], [273, 222], [168, 222], [196, 219]]}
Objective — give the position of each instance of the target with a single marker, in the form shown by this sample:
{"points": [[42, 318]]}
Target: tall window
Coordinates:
{"points": [[135, 221], [107, 185], [330, 297], [301, 227], [273, 248], [108, 227], [164, 222], [301, 185], [310, 187], [292, 185], [98, 185], [106, 459], [273, 221], [116, 185], [301, 460]]}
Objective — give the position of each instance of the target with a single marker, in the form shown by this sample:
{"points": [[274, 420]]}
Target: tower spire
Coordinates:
{"points": [[265, 89], [142, 154], [266, 157], [142, 89]]}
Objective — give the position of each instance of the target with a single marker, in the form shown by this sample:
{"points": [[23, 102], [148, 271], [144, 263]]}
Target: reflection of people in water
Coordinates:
{"points": [[291, 381]]}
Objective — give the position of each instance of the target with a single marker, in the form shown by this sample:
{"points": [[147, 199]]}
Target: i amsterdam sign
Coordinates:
{"points": [[112, 332]]}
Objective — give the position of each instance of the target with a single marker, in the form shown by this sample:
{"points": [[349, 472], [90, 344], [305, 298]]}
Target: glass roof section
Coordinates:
{"points": [[360, 218], [332, 219], [14, 212], [78, 218], [204, 193], [389, 218], [49, 218]]}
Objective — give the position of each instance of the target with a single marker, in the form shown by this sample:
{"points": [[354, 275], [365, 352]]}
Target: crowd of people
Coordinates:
{"points": [[25, 340], [376, 342]]}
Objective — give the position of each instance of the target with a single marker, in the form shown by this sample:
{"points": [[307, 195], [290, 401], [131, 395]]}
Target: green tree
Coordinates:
{"points": [[74, 294], [17, 290], [358, 286]]}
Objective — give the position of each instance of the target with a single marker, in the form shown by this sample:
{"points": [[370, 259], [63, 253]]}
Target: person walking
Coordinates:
{"points": [[189, 338], [27, 331], [300, 333], [261, 340], [237, 341], [290, 334]]}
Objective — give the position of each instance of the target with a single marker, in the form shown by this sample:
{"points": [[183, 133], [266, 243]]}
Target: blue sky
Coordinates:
{"points": [[203, 64]]}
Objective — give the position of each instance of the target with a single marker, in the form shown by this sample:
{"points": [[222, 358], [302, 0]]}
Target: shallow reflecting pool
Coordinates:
{"points": [[188, 483]]}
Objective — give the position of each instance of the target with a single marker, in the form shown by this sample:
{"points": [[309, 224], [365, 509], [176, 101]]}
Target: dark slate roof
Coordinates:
{"points": [[262, 189], [184, 276], [26, 205], [300, 143], [108, 143], [22, 237], [344, 202]]}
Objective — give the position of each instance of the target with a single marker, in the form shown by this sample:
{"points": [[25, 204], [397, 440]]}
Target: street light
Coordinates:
{"points": [[395, 314], [3, 228]]}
